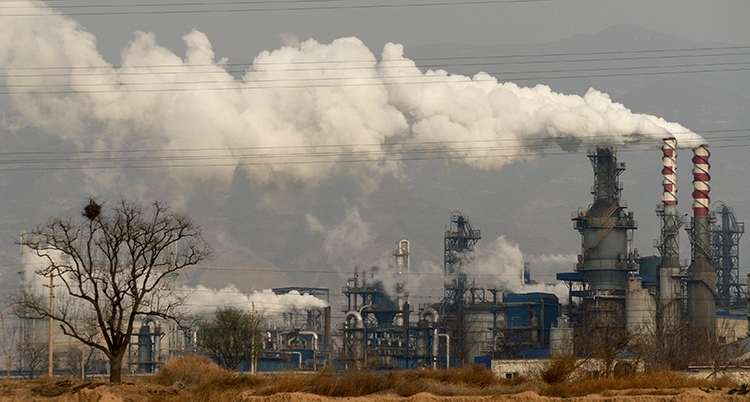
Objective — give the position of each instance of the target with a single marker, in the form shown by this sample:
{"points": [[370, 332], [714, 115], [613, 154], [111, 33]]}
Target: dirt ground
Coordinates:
{"points": [[76, 391]]}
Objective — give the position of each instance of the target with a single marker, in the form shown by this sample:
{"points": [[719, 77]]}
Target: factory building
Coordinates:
{"points": [[471, 324]]}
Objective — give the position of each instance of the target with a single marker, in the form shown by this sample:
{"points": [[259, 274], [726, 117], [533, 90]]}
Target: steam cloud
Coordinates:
{"points": [[199, 300], [346, 238], [309, 101], [501, 264], [203, 300]]}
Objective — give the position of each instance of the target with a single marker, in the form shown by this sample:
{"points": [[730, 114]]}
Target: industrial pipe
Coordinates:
{"points": [[300, 358], [434, 348], [314, 337], [447, 350], [358, 322], [430, 312]]}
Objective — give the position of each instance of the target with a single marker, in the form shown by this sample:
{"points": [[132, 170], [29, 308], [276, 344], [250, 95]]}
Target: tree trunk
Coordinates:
{"points": [[115, 363]]}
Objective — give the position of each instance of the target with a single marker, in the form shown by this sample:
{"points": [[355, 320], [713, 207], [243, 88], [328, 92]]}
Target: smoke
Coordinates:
{"points": [[345, 239], [31, 263], [312, 108], [501, 264], [203, 301]]}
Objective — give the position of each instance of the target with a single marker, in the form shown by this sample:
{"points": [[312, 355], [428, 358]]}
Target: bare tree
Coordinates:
{"points": [[33, 357], [76, 360], [232, 336], [9, 328], [511, 341], [715, 349], [604, 342], [663, 346], [113, 268]]}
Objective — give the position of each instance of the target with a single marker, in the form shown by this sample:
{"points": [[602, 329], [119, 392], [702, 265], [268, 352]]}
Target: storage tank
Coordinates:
{"points": [[640, 307], [561, 337]]}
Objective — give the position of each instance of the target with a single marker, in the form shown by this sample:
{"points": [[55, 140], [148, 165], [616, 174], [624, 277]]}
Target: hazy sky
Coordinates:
{"points": [[242, 34], [309, 224]]}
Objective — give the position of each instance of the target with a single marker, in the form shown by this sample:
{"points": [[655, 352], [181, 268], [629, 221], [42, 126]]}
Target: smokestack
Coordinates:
{"points": [[702, 276], [669, 160], [700, 181], [327, 327], [669, 248]]}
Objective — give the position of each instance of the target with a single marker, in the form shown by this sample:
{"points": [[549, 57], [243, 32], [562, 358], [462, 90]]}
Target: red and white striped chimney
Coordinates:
{"points": [[701, 178], [669, 160]]}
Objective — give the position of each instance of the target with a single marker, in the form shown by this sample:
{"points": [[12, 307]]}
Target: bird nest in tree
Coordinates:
{"points": [[92, 210]]}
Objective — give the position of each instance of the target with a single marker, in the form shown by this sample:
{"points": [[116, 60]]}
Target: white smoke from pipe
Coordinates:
{"points": [[203, 301], [501, 264], [352, 109]]}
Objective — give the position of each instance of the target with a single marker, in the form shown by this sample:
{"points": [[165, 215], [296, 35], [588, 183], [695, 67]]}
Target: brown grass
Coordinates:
{"points": [[558, 369], [196, 378], [204, 381], [328, 382], [190, 370], [200, 379], [652, 383]]}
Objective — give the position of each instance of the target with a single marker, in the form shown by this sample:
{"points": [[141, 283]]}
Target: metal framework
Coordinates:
{"points": [[606, 256], [458, 247], [725, 244], [377, 331]]}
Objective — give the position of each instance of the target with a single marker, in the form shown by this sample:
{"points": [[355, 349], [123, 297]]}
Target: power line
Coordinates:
{"points": [[425, 79], [289, 8], [311, 162], [340, 85], [149, 5], [348, 149], [691, 52], [407, 63], [647, 141]]}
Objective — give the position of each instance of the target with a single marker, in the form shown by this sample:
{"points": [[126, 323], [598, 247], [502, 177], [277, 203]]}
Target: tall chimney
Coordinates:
{"points": [[701, 305], [669, 247], [669, 182]]}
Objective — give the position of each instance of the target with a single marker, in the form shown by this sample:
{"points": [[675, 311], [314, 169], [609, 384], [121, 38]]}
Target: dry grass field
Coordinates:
{"points": [[196, 378]]}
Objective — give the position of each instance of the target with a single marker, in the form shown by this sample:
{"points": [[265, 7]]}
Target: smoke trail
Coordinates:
{"points": [[331, 110]]}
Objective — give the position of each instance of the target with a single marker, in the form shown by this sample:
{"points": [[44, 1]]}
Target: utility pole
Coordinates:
{"points": [[51, 322]]}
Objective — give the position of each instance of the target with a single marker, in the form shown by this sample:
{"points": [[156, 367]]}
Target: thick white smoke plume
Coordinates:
{"points": [[203, 301], [320, 103], [199, 300], [501, 264]]}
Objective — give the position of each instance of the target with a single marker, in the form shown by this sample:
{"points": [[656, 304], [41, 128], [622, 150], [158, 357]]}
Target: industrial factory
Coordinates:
{"points": [[611, 286]]}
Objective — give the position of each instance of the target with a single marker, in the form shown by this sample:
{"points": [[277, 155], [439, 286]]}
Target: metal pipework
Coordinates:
{"points": [[447, 349], [701, 305], [401, 253]]}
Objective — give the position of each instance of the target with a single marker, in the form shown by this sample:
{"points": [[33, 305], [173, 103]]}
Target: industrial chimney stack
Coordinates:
{"points": [[669, 247], [701, 304]]}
